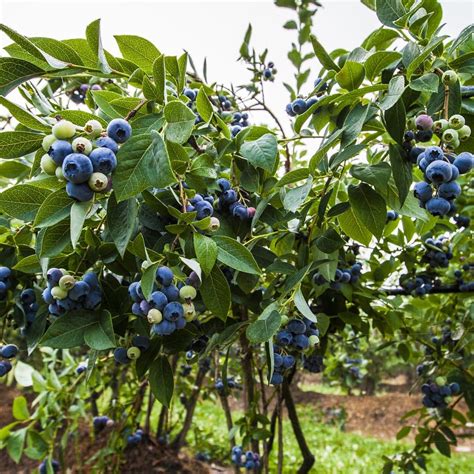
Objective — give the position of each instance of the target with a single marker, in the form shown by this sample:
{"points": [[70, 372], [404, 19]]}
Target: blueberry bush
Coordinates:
{"points": [[159, 247]]}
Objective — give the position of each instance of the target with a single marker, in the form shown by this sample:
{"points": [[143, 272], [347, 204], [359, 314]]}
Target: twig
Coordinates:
{"points": [[134, 111]]}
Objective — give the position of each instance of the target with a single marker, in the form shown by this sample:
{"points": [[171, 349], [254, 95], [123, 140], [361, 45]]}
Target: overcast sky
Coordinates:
{"points": [[212, 29]]}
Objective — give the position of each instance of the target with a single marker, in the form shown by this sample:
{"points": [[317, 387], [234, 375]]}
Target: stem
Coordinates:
{"points": [[446, 102], [280, 432], [433, 291], [134, 111], [151, 402]]}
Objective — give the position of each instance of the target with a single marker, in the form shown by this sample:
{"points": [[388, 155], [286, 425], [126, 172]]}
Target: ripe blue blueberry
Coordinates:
{"points": [[439, 172], [229, 196], [5, 367], [433, 153], [277, 360], [107, 142], [164, 328], [204, 209], [159, 300], [103, 160], [120, 355], [296, 326], [79, 290], [77, 168], [463, 162], [142, 342], [311, 101], [80, 192], [423, 191], [43, 467], [301, 342], [119, 130], [5, 273], [9, 351], [288, 361], [28, 296], [59, 150], [276, 379], [240, 211], [190, 94], [173, 311], [438, 206], [93, 299], [171, 292], [91, 279], [165, 276], [47, 296], [180, 323], [284, 338], [298, 106], [449, 190]]}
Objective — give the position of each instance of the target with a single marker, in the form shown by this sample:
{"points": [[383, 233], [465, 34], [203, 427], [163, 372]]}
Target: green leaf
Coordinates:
{"points": [[23, 201], [329, 241], [79, 211], [80, 117], [401, 171], [426, 83], [354, 228], [17, 144], [345, 154], [264, 328], [138, 50], [143, 162], [369, 207], [442, 444], [95, 43], [57, 50], [425, 53], [55, 208], [24, 117], [100, 335], [203, 105], [379, 61], [303, 307], [20, 408], [403, 432], [354, 123], [350, 77], [389, 11], [159, 76], [293, 176], [395, 121], [161, 380], [396, 86], [148, 279], [16, 443], [261, 153], [376, 175], [324, 148], [295, 197], [180, 121], [215, 293], [244, 48], [51, 241], [121, 221], [323, 57], [206, 252], [14, 72], [235, 255]]}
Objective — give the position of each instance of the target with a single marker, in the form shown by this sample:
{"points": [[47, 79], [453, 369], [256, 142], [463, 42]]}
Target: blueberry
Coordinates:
{"points": [[47, 296], [392, 216], [173, 311], [438, 206], [165, 276], [80, 192], [455, 388], [103, 160], [77, 168], [234, 130], [288, 361], [240, 211], [120, 355], [190, 94], [43, 467], [423, 191], [311, 101], [164, 328], [284, 338], [346, 276], [298, 106], [449, 190], [93, 128], [48, 165], [301, 342], [204, 209], [80, 289], [276, 379], [159, 300], [93, 299], [439, 172], [180, 323], [28, 296], [424, 135], [9, 351], [64, 129], [119, 130], [5, 367], [463, 162], [277, 360], [171, 292], [107, 142], [267, 73], [91, 279], [296, 326], [59, 150], [229, 196], [424, 122]]}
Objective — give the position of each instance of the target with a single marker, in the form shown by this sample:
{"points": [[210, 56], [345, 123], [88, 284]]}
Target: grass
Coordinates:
{"points": [[336, 451]]}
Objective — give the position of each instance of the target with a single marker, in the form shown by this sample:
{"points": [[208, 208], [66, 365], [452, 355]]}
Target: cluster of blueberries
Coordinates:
{"points": [[220, 385], [225, 103], [440, 171], [191, 94], [30, 307], [438, 394], [249, 460], [300, 106], [239, 121], [64, 293], [313, 363], [349, 275], [297, 336], [139, 344], [78, 95], [202, 205], [164, 310], [101, 422], [7, 352], [86, 167], [269, 72], [135, 439], [43, 467], [438, 252], [5, 282], [460, 281], [420, 285], [229, 201]]}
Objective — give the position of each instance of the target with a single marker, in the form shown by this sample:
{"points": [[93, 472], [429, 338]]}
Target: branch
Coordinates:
{"points": [[433, 291], [134, 111]]}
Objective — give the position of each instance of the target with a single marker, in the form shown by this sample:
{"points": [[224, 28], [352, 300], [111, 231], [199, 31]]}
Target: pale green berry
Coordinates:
{"points": [[82, 145], [411, 123], [440, 381], [457, 121], [187, 292], [189, 311], [154, 316], [59, 174], [440, 126], [464, 133], [98, 182], [450, 135], [313, 340], [214, 224], [284, 320], [58, 293], [67, 282], [449, 78], [48, 165], [64, 129], [454, 144], [48, 140], [133, 353], [93, 128]]}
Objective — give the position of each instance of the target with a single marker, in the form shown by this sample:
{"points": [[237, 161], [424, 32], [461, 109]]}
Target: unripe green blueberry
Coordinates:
{"points": [[440, 381], [58, 293], [440, 126], [189, 311], [449, 78], [214, 224], [313, 340], [93, 128], [464, 133], [284, 320], [457, 121], [48, 140], [154, 316], [59, 174], [133, 353], [82, 145], [453, 145], [450, 135], [48, 165], [187, 292], [98, 182], [448, 400], [67, 282], [411, 123], [64, 129]]}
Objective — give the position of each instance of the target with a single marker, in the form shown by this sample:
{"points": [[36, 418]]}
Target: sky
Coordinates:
{"points": [[212, 29]]}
